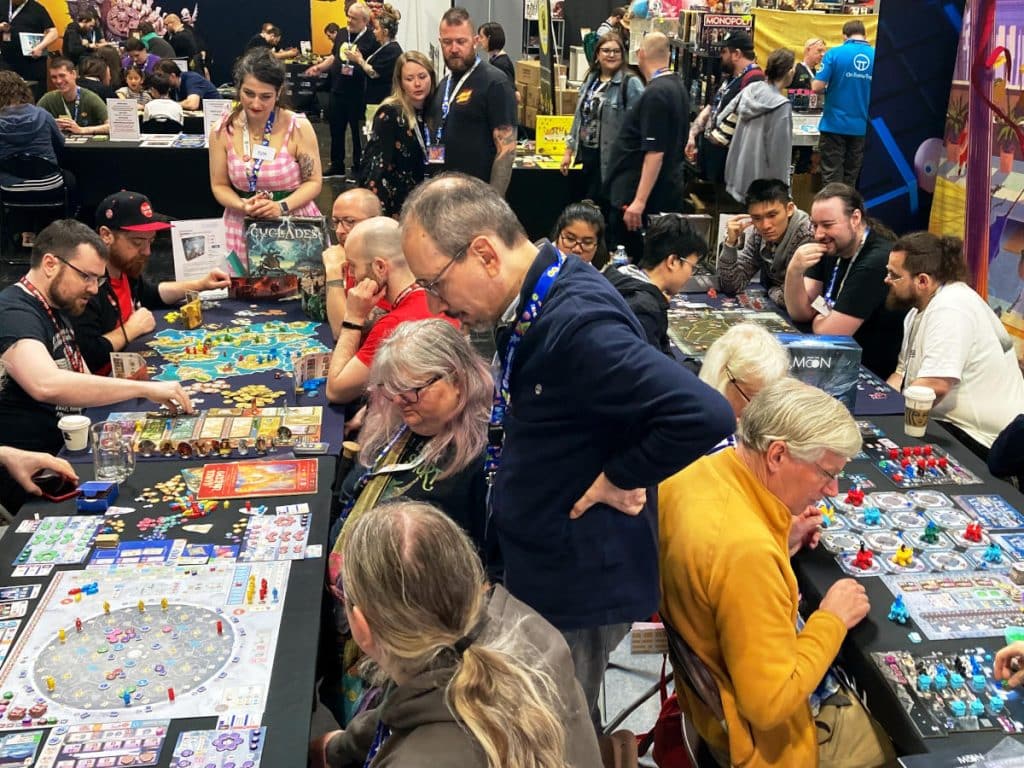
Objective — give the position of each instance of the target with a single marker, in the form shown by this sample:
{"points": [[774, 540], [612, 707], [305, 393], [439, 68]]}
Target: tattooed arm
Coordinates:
{"points": [[307, 154], [501, 170]]}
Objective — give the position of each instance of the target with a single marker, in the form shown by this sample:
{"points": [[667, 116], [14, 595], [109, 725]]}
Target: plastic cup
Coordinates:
{"points": [[75, 429], [918, 403]]}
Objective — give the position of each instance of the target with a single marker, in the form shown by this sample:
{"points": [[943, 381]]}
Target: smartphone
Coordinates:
{"points": [[54, 486]]}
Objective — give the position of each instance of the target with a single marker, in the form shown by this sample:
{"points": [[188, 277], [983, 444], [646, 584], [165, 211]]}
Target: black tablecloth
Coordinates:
{"points": [[290, 701], [333, 425], [817, 571]]}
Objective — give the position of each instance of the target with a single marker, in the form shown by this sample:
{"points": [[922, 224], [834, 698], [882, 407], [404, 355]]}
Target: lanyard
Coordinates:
{"points": [[11, 12], [64, 333], [835, 272], [502, 393], [257, 163], [422, 137], [78, 103], [379, 49], [595, 88], [375, 469], [382, 734], [449, 94]]}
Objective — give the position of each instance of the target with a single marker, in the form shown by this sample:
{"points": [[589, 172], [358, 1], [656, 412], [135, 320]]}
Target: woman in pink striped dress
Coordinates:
{"points": [[264, 159]]}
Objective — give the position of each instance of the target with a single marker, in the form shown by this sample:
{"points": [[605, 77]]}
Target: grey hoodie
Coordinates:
{"points": [[763, 143]]}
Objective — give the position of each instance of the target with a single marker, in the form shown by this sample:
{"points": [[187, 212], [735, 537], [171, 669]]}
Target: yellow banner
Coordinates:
{"points": [[322, 13], [787, 29], [58, 10]]}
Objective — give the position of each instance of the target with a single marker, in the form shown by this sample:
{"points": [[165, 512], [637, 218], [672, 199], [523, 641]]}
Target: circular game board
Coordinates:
{"points": [[139, 653]]}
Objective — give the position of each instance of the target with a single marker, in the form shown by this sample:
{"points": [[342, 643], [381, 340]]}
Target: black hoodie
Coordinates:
{"points": [[646, 300]]}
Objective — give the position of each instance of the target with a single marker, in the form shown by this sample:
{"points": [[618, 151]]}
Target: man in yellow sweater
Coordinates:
{"points": [[728, 524]]}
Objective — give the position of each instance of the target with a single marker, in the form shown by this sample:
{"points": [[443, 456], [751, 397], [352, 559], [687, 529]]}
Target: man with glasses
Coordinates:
{"points": [[952, 341], [120, 313], [45, 375], [350, 208], [672, 251], [474, 111], [586, 418], [378, 267], [728, 525]]}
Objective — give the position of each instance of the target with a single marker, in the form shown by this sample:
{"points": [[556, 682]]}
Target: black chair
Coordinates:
{"points": [[161, 125], [39, 192]]}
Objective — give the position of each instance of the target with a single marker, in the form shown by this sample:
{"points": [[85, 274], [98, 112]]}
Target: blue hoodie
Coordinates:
{"points": [[25, 129]]}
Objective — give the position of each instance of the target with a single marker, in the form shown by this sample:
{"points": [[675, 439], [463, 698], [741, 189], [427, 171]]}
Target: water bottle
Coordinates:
{"points": [[620, 258]]}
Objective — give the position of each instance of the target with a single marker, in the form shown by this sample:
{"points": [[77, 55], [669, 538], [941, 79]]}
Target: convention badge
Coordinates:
{"points": [[435, 154], [821, 306], [263, 153], [347, 70]]}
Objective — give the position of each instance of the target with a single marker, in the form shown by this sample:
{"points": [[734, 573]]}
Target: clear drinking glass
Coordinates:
{"points": [[112, 454]]}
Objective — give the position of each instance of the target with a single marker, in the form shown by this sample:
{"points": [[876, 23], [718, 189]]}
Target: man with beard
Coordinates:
{"points": [[45, 376], [351, 207], [474, 111], [836, 284], [953, 342], [120, 311]]}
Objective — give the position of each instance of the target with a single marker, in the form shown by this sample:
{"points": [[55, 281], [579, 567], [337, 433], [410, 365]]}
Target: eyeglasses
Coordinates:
{"points": [[430, 286], [610, 51], [346, 221], [586, 244], [892, 277], [88, 277], [732, 380], [832, 477], [410, 396]]}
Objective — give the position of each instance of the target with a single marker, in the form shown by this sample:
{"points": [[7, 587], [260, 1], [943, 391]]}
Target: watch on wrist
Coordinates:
{"points": [[351, 326], [284, 207]]}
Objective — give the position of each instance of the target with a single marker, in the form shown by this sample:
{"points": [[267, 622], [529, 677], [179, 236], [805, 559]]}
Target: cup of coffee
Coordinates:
{"points": [[75, 429], [918, 403]]}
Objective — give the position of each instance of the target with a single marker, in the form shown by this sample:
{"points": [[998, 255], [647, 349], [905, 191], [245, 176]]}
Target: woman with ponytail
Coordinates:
{"points": [[473, 677]]}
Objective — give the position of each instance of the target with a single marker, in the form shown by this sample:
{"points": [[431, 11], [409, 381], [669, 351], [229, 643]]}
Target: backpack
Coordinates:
{"points": [[590, 45]]}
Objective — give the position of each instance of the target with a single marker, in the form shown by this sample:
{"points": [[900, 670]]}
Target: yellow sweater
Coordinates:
{"points": [[728, 588]]}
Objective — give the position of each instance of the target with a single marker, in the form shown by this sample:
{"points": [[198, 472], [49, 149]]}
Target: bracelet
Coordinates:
{"points": [[336, 283], [351, 326]]}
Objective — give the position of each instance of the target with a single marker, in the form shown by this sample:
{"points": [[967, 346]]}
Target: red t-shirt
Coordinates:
{"points": [[412, 307], [123, 290]]}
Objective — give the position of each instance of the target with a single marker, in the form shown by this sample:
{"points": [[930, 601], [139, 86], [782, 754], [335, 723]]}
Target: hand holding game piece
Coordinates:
{"points": [[848, 600], [1009, 664], [169, 394], [805, 530], [215, 278], [603, 491]]}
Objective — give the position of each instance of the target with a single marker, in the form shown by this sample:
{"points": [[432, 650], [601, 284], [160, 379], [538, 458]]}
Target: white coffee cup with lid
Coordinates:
{"points": [[75, 429], [918, 403]]}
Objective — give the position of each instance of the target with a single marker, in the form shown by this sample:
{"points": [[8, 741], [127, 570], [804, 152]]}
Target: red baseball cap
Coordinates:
{"points": [[130, 211]]}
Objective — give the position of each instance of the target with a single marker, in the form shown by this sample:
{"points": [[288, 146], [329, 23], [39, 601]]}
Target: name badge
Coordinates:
{"points": [[821, 306], [347, 70], [6, 37], [263, 153], [435, 154]]}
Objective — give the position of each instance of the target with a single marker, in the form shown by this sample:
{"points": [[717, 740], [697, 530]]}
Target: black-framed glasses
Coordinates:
{"points": [[732, 380], [586, 244], [430, 286], [88, 277], [411, 396], [616, 51], [347, 221]]}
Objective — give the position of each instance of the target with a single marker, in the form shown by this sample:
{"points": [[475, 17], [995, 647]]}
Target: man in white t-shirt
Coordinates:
{"points": [[953, 342]]}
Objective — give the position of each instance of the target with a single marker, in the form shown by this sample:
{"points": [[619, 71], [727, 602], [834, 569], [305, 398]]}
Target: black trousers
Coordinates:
{"points": [[346, 112], [841, 157]]}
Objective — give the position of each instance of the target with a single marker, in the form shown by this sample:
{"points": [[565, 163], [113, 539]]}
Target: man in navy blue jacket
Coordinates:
{"points": [[596, 417]]}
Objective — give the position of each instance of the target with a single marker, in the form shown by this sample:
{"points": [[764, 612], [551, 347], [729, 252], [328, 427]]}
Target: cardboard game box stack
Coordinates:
{"points": [[528, 87]]}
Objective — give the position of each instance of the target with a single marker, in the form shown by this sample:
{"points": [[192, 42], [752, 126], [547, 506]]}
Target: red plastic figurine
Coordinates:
{"points": [[864, 558], [973, 532]]}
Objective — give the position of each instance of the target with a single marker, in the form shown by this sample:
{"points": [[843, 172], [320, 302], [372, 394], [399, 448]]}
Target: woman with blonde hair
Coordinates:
{"points": [[396, 155], [473, 677]]}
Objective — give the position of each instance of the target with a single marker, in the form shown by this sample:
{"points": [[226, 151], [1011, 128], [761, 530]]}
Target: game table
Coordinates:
{"points": [[817, 570], [289, 703], [332, 427]]}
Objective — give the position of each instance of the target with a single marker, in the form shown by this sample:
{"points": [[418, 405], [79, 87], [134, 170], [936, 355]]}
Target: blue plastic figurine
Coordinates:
{"points": [[872, 516], [898, 611], [993, 554], [977, 708]]}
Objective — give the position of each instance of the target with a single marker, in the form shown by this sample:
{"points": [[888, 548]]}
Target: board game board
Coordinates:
{"points": [[19, 749], [694, 330], [917, 466], [135, 743], [219, 749], [962, 605], [277, 537], [60, 541], [992, 510], [944, 693], [203, 643], [204, 354]]}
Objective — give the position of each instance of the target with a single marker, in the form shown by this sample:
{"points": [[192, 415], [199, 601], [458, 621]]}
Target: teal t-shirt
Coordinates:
{"points": [[847, 70]]}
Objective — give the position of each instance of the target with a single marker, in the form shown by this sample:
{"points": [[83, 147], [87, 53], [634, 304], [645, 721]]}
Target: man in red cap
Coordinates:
{"points": [[120, 312]]}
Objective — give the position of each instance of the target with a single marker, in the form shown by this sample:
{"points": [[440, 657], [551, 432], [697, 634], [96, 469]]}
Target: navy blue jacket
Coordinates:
{"points": [[589, 394]]}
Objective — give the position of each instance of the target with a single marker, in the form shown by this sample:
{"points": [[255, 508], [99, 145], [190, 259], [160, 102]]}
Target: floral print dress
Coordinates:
{"points": [[394, 161]]}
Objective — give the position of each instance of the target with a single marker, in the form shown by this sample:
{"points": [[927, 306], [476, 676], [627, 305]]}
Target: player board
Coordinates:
{"points": [[277, 537], [917, 466], [237, 748], [132, 742], [202, 644], [992, 510], [19, 749], [944, 693], [694, 330], [204, 354], [962, 605], [60, 541]]}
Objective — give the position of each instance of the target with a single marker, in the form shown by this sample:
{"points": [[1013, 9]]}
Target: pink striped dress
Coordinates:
{"points": [[278, 175]]}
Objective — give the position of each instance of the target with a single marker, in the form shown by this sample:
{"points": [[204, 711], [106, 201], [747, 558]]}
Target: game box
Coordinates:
{"points": [[831, 363]]}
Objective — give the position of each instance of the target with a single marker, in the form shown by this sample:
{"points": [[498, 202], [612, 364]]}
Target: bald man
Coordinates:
{"points": [[645, 174], [181, 39], [376, 261], [349, 209]]}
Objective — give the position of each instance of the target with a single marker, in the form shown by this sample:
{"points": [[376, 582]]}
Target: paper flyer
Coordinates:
{"points": [[197, 246], [123, 117]]}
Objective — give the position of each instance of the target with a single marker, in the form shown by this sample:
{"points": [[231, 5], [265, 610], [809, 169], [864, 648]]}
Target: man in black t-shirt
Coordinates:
{"points": [[45, 375], [474, 111], [646, 166], [27, 16], [347, 106], [836, 284]]}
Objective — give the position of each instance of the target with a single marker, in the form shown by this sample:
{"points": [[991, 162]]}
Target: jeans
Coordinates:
{"points": [[590, 648], [841, 157]]}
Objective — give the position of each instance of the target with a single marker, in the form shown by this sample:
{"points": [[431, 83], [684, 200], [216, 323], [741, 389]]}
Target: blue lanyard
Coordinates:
{"points": [[257, 163], [382, 735], [78, 103], [502, 392], [446, 102], [364, 479], [835, 272]]}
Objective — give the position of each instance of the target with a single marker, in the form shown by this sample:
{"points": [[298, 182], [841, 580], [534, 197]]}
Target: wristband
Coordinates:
{"points": [[351, 326], [336, 283]]}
